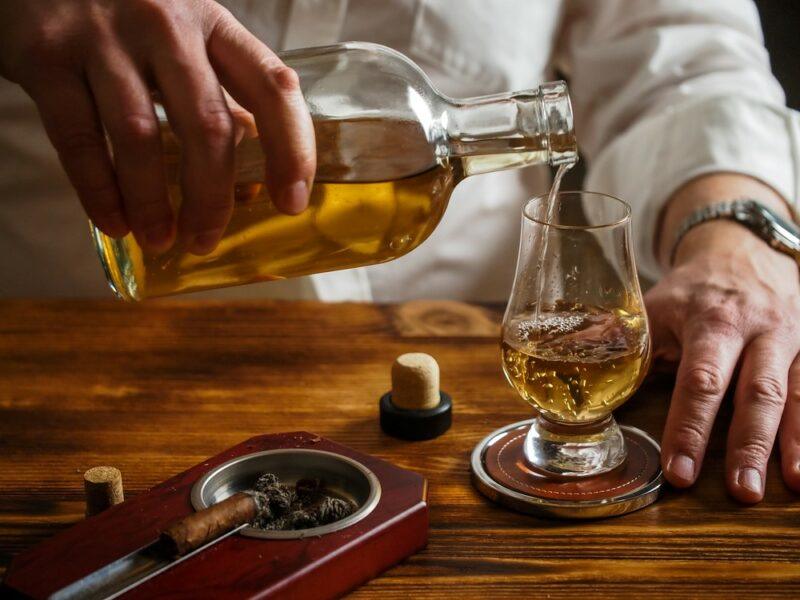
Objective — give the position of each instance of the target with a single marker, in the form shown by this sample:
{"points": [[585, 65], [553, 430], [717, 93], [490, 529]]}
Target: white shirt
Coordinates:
{"points": [[663, 91]]}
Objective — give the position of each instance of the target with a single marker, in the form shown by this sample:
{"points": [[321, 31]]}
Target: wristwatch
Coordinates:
{"points": [[782, 235]]}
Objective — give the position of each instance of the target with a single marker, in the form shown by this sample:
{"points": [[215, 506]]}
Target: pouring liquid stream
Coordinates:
{"points": [[549, 216]]}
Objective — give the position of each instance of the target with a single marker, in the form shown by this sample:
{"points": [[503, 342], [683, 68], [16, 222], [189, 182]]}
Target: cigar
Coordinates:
{"points": [[197, 529]]}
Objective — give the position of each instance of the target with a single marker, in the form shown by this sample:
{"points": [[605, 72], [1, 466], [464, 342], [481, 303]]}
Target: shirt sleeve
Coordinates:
{"points": [[667, 90]]}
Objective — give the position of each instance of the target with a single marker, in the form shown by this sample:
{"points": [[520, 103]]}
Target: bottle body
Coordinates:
{"points": [[347, 224], [390, 150]]}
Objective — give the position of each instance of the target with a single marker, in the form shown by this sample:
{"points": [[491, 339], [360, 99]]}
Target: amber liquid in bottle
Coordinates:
{"points": [[376, 212], [576, 363]]}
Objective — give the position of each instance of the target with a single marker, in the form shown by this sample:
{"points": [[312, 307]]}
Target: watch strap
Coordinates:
{"points": [[763, 222]]}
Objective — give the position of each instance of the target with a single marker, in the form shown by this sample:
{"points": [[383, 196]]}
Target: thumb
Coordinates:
{"points": [[662, 320]]}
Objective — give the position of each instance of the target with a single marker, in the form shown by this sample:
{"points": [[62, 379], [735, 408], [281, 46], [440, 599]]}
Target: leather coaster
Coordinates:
{"points": [[500, 472], [505, 463]]}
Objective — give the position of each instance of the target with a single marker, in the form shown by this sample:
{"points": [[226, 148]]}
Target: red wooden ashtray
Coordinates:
{"points": [[391, 525]]}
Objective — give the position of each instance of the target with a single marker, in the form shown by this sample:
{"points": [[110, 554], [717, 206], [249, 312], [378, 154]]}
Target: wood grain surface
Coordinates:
{"points": [[153, 389]]}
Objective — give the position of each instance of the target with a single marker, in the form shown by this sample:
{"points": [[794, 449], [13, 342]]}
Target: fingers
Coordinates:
{"points": [[126, 108], [790, 430], [197, 111], [758, 406], [270, 90], [710, 353], [71, 122], [243, 122], [661, 320]]}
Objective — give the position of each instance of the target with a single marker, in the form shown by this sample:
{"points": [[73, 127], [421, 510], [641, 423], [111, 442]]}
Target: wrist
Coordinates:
{"points": [[727, 246], [715, 239], [713, 236]]}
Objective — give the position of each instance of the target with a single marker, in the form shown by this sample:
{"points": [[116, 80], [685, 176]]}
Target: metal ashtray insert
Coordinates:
{"points": [[343, 476]]}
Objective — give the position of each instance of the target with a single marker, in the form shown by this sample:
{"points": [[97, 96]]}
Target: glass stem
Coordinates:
{"points": [[569, 451]]}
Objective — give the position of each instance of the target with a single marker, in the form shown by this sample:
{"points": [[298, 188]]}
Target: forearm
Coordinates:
{"points": [[714, 236]]}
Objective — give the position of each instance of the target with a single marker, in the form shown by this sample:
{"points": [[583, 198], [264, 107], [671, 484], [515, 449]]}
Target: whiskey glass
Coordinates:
{"points": [[575, 341]]}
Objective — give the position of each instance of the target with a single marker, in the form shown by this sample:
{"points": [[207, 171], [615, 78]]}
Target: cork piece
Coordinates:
{"points": [[103, 488], [415, 381]]}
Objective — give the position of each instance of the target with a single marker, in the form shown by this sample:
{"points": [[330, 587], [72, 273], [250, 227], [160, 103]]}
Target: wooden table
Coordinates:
{"points": [[155, 388]]}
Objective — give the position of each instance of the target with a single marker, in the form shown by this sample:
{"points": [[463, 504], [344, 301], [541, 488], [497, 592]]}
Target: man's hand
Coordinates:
{"points": [[91, 65], [730, 302]]}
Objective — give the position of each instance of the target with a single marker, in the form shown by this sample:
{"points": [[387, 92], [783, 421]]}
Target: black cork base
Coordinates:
{"points": [[416, 425]]}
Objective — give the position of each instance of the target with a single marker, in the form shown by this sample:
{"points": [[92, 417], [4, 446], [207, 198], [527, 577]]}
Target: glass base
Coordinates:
{"points": [[569, 451]]}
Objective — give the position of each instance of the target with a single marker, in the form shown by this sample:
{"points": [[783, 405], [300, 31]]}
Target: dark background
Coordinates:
{"points": [[781, 22]]}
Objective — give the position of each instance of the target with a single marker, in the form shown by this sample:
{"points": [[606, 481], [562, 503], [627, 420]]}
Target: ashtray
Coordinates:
{"points": [[389, 524], [345, 477]]}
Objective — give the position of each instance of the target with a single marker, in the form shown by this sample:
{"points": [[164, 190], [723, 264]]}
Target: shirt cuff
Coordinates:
{"points": [[651, 160]]}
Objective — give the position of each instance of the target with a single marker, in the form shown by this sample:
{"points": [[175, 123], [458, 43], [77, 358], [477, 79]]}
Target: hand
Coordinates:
{"points": [[730, 300], [92, 64]]}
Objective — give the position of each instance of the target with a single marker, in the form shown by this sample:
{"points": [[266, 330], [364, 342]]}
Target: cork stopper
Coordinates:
{"points": [[103, 489], [415, 381], [415, 409]]}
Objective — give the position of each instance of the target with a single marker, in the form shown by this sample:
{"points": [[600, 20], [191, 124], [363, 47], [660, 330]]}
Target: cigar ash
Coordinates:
{"points": [[303, 505]]}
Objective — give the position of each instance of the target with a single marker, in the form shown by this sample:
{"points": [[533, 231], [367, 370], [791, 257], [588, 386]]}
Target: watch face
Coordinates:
{"points": [[777, 232]]}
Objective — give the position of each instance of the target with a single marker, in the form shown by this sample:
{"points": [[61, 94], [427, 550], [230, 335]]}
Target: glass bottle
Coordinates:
{"points": [[390, 150]]}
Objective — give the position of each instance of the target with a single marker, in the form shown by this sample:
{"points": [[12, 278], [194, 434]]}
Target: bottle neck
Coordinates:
{"points": [[506, 131]]}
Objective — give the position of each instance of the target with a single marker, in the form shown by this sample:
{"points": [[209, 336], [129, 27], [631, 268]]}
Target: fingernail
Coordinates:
{"points": [[204, 242], [750, 479], [295, 198], [682, 467], [159, 236]]}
